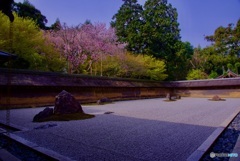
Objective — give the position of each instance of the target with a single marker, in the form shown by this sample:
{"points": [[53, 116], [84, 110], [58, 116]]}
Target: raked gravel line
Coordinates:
{"points": [[137, 130]]}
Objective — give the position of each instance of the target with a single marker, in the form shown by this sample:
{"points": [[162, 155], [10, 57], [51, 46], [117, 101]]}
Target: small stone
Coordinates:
{"points": [[47, 112], [216, 98], [178, 97], [168, 96], [99, 102], [104, 100]]}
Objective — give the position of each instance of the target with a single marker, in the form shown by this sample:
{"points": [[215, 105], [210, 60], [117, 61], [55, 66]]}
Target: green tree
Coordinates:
{"points": [[128, 22], [56, 26], [237, 66], [223, 53], [213, 75], [181, 63], [226, 40], [26, 9], [133, 66], [211, 60], [208, 59], [29, 45], [155, 68], [196, 74], [6, 8], [230, 67], [152, 29], [161, 34], [160, 31]]}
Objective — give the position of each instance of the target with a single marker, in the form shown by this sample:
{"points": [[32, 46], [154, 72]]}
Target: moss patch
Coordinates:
{"points": [[68, 117], [216, 100], [172, 100], [108, 112]]}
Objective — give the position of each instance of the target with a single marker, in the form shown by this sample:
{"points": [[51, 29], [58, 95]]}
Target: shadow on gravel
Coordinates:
{"points": [[22, 152], [112, 137]]}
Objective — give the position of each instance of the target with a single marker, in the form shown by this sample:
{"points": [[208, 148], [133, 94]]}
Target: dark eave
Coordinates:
{"points": [[4, 56]]}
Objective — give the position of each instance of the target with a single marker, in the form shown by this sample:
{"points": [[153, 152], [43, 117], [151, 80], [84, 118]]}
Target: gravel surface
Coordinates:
{"points": [[136, 130]]}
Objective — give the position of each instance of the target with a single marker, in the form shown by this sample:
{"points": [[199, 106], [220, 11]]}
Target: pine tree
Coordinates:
{"points": [[128, 22]]}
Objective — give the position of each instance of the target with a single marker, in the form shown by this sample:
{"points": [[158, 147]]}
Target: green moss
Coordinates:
{"points": [[172, 100], [68, 117], [216, 100]]}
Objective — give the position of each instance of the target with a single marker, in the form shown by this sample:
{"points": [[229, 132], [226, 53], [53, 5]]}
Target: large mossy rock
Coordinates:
{"points": [[65, 103], [66, 108]]}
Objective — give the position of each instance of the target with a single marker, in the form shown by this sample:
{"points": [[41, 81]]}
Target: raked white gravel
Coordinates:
{"points": [[150, 129]]}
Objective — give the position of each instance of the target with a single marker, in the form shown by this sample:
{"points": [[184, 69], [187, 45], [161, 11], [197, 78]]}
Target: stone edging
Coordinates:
{"points": [[20, 128], [202, 149], [37, 148]]}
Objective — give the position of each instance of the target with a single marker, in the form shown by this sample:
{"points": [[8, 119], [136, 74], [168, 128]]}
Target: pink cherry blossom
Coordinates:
{"points": [[84, 43]]}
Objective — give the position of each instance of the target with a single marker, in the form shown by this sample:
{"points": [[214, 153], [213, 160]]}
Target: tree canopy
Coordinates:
{"points": [[6, 8], [128, 24], [160, 30], [222, 54], [87, 42], [27, 10], [151, 29], [150, 33], [226, 40], [127, 65], [29, 44]]}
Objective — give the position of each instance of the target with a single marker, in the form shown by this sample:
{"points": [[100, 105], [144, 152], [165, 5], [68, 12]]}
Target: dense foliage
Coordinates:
{"points": [[127, 65], [28, 43], [223, 54], [226, 40], [93, 49], [196, 74], [128, 24], [88, 49], [143, 42], [150, 29], [27, 10], [84, 43], [6, 8]]}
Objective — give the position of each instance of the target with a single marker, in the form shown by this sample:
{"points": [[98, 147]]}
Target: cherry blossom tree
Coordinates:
{"points": [[84, 43], [99, 41]]}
